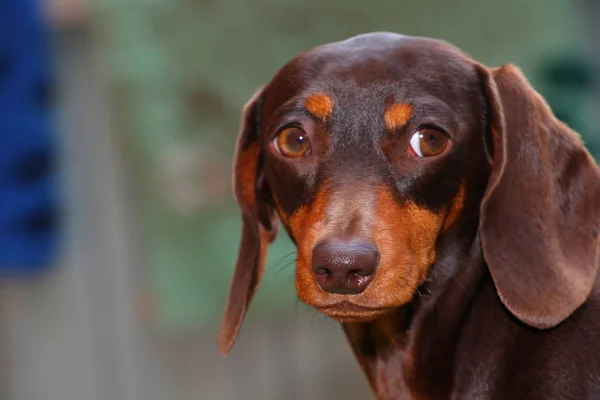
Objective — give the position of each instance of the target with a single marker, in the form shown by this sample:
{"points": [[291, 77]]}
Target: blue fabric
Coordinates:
{"points": [[28, 203]]}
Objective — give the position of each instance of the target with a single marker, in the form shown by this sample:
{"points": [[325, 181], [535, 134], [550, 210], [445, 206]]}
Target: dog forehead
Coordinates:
{"points": [[381, 63]]}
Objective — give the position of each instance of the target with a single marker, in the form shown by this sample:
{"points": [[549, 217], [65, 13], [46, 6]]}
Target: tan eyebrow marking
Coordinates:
{"points": [[320, 105], [397, 115]]}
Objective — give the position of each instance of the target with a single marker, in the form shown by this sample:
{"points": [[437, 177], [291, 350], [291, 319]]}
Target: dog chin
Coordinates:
{"points": [[347, 312]]}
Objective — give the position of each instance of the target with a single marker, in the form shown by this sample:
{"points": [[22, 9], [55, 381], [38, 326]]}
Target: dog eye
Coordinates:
{"points": [[428, 142], [293, 142]]}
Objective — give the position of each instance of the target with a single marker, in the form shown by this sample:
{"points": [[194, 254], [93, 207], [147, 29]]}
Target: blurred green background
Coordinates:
{"points": [[151, 93]]}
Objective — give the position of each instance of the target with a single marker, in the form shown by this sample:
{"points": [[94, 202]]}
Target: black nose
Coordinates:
{"points": [[344, 265]]}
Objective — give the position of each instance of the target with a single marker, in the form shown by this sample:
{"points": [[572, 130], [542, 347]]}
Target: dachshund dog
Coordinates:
{"points": [[441, 213]]}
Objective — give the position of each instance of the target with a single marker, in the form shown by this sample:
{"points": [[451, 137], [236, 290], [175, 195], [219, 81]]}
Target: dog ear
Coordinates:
{"points": [[540, 216], [259, 222]]}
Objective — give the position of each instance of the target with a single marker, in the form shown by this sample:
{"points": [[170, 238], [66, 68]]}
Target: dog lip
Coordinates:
{"points": [[349, 312], [347, 306]]}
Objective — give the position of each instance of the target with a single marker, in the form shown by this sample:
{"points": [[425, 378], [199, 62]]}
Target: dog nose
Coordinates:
{"points": [[344, 265]]}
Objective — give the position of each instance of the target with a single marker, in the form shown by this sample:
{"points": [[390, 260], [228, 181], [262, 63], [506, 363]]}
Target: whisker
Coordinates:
{"points": [[286, 265], [284, 257]]}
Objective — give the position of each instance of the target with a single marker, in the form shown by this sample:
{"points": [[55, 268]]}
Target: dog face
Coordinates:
{"points": [[369, 146], [374, 150]]}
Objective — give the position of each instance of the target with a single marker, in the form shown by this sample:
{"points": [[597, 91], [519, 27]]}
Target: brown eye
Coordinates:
{"points": [[428, 142], [293, 142]]}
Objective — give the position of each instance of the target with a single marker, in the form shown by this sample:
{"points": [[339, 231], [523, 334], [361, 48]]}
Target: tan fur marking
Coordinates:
{"points": [[285, 219], [456, 208], [406, 236], [246, 170], [306, 225], [397, 115], [320, 105]]}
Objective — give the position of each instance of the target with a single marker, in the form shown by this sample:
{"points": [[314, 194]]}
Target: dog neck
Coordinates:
{"points": [[408, 353]]}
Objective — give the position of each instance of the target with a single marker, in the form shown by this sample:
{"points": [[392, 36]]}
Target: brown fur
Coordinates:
{"points": [[455, 209]]}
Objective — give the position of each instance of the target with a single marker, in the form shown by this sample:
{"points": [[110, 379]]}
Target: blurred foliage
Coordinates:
{"points": [[181, 71]]}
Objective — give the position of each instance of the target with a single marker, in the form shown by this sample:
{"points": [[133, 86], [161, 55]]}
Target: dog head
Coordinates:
{"points": [[372, 150]]}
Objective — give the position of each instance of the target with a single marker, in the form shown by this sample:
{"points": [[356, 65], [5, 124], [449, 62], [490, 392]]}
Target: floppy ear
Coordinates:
{"points": [[540, 216], [259, 222]]}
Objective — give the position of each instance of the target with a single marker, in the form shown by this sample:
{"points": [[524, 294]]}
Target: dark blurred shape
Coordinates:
{"points": [[34, 165], [28, 193], [570, 72], [4, 67], [567, 83]]}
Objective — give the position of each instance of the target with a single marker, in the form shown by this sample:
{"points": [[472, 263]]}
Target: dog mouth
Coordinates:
{"points": [[346, 311]]}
